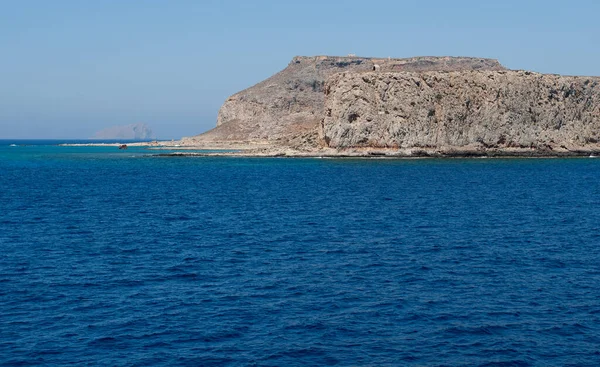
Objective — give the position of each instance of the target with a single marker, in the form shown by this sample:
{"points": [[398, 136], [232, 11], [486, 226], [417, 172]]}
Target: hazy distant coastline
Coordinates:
{"points": [[137, 131]]}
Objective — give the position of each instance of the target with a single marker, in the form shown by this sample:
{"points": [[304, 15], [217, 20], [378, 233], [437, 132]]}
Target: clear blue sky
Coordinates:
{"points": [[70, 68]]}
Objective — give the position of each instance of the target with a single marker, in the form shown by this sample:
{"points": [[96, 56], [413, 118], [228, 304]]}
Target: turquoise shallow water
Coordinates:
{"points": [[117, 258]]}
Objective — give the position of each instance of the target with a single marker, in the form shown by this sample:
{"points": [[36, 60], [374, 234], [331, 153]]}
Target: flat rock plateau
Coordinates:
{"points": [[421, 106]]}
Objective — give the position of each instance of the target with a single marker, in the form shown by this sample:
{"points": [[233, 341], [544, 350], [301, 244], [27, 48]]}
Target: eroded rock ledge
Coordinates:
{"points": [[470, 109]]}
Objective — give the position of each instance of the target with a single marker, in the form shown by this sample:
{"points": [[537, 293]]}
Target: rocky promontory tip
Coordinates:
{"points": [[438, 106]]}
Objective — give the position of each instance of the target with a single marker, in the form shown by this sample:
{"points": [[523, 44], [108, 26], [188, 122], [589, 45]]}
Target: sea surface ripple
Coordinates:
{"points": [[122, 259]]}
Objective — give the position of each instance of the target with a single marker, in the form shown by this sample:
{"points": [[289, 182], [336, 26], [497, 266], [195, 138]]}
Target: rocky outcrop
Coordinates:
{"points": [[131, 132], [425, 105], [461, 110], [288, 106]]}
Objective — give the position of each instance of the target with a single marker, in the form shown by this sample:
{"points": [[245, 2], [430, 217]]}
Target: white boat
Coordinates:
{"points": [[13, 145]]}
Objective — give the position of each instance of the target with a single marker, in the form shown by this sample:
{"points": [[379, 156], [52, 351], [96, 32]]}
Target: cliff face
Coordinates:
{"points": [[486, 109], [290, 104]]}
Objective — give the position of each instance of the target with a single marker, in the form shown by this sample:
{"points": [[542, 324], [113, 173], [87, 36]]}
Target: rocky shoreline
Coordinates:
{"points": [[391, 154], [227, 149]]}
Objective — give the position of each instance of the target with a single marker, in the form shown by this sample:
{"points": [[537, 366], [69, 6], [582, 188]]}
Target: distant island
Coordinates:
{"points": [[130, 132]]}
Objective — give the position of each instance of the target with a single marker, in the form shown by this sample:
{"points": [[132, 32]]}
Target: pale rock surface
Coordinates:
{"points": [[288, 106], [461, 109]]}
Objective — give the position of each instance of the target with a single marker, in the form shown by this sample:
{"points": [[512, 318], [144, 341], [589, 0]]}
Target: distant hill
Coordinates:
{"points": [[132, 131]]}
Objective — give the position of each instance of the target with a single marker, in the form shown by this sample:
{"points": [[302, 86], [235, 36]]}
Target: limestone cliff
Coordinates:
{"points": [[432, 105], [290, 104], [480, 109]]}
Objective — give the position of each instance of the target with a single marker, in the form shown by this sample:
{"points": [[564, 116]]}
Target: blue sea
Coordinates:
{"points": [[121, 258]]}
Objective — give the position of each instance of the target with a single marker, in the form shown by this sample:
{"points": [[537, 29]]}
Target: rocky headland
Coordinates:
{"points": [[422, 106]]}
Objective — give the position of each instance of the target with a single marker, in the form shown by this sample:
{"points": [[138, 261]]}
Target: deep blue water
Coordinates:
{"points": [[116, 258]]}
